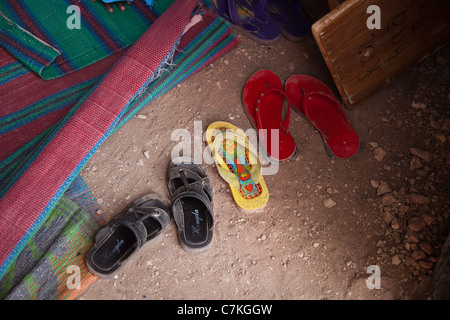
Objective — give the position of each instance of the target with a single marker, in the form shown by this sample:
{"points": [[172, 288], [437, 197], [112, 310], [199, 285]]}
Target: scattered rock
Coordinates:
{"points": [[440, 137], [373, 145], [418, 105], [415, 164], [388, 217], [383, 188], [426, 247], [446, 125], [426, 264], [419, 255], [417, 198], [410, 262], [395, 225], [329, 203], [397, 237], [416, 224], [374, 183], [396, 260], [387, 199], [424, 155], [407, 246], [147, 154], [429, 219], [412, 236], [408, 236], [435, 123], [379, 154]]}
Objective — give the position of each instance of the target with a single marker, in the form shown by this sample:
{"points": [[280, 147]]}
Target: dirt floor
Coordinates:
{"points": [[390, 203]]}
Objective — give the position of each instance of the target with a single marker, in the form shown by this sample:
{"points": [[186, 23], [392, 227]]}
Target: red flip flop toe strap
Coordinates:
{"points": [[259, 103], [332, 99]]}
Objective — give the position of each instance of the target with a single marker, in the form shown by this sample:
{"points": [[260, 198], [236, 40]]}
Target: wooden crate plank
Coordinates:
{"points": [[363, 60]]}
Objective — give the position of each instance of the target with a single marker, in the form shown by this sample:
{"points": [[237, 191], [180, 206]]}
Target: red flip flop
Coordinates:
{"points": [[314, 99], [263, 98]]}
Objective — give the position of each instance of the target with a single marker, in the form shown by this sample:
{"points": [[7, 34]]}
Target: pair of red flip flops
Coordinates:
{"points": [[263, 98]]}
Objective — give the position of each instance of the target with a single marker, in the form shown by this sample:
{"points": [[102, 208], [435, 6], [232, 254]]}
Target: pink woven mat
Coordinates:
{"points": [[27, 203]]}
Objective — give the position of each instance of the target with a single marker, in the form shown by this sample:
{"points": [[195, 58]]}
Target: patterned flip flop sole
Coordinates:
{"points": [[240, 165]]}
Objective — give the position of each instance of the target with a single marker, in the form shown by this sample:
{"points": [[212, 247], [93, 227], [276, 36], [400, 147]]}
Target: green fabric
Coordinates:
{"points": [[16, 31], [44, 25], [60, 243]]}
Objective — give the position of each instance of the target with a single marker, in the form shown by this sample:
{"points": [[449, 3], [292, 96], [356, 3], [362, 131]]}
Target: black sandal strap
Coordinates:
{"points": [[188, 182], [131, 229], [176, 202]]}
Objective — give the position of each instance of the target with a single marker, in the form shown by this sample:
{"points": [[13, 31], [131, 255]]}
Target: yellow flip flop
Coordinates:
{"points": [[238, 164]]}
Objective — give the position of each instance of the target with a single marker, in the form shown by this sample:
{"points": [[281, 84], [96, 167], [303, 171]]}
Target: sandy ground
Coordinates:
{"points": [[296, 248]]}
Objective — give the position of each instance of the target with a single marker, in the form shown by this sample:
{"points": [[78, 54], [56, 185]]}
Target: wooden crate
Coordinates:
{"points": [[363, 60]]}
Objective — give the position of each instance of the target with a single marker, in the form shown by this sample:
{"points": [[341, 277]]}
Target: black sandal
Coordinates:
{"points": [[144, 220], [192, 206]]}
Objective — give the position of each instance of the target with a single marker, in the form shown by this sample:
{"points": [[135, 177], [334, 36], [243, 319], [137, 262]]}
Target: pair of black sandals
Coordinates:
{"points": [[150, 216]]}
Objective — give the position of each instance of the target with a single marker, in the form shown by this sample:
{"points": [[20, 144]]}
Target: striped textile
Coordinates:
{"points": [[39, 34], [31, 109], [55, 126], [43, 270], [204, 43], [12, 71]]}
